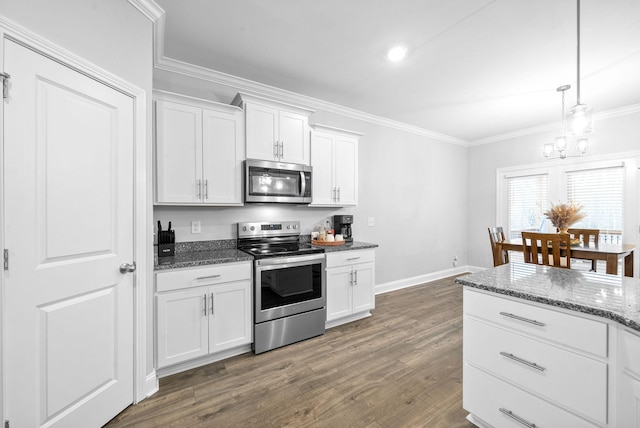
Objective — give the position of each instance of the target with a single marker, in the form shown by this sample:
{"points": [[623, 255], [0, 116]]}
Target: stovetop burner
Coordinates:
{"points": [[279, 239]]}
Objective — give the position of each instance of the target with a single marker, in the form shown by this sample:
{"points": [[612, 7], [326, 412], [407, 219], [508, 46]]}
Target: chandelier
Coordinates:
{"points": [[561, 143], [580, 122]]}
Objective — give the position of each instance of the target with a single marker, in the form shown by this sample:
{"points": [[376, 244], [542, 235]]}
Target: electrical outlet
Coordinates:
{"points": [[195, 226], [371, 221], [455, 261]]}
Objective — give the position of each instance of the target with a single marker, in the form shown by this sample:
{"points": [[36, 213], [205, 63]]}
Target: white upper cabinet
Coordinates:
{"points": [[275, 131], [334, 158], [199, 151]]}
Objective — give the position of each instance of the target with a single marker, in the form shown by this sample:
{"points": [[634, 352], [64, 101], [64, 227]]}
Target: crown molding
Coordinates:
{"points": [[156, 14], [621, 111]]}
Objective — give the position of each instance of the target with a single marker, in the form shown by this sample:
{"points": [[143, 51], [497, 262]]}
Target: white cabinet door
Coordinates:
{"points": [[182, 325], [230, 321], [363, 294], [178, 152], [262, 132], [339, 295], [346, 170], [222, 155], [294, 138], [322, 162], [629, 402]]}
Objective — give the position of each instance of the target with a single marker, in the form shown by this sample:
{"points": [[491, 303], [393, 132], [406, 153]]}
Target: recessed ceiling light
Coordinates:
{"points": [[396, 53]]}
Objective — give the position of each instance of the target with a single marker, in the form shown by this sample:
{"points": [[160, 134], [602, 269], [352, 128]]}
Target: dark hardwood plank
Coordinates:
{"points": [[402, 367]]}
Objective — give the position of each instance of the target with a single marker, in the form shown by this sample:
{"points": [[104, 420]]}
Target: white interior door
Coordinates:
{"points": [[68, 168]]}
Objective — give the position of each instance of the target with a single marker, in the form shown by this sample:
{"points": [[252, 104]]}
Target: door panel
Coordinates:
{"points": [[68, 198]]}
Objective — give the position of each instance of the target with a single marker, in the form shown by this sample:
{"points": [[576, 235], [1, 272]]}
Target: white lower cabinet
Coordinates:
{"points": [[526, 365], [629, 379], [350, 285], [202, 311]]}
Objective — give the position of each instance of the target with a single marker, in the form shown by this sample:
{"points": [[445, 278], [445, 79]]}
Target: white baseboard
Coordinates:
{"points": [[421, 279], [208, 359]]}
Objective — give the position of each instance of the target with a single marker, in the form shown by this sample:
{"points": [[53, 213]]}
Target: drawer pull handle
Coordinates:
{"points": [[516, 317], [207, 277], [520, 360], [352, 258], [517, 418]]}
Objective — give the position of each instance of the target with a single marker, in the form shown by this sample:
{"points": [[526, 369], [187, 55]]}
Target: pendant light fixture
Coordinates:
{"points": [[580, 114], [579, 117]]}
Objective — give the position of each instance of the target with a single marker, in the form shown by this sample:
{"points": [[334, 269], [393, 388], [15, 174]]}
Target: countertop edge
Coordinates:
{"points": [[601, 313]]}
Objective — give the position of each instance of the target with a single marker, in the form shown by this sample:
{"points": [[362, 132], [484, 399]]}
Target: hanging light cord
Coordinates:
{"points": [[578, 73]]}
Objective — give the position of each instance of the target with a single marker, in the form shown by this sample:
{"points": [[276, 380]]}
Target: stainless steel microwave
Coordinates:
{"points": [[277, 182]]}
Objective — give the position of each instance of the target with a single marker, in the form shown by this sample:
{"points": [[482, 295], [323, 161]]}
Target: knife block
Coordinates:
{"points": [[166, 243]]}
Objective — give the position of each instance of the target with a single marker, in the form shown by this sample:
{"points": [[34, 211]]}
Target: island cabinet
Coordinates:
{"points": [[528, 365], [350, 286], [275, 131], [202, 312], [334, 158], [198, 152], [629, 379]]}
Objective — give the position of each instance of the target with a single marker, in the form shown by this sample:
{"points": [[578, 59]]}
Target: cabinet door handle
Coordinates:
{"points": [[281, 149], [338, 194], [276, 150], [212, 310], [206, 189], [519, 318], [205, 305], [199, 189], [355, 274], [351, 279], [207, 277], [517, 418], [333, 196], [522, 361]]}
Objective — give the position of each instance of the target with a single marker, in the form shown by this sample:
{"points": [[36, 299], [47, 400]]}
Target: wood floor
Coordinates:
{"points": [[402, 367]]}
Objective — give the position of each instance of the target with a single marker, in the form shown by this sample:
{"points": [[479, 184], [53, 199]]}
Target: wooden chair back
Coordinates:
{"points": [[496, 235], [551, 249], [589, 237]]}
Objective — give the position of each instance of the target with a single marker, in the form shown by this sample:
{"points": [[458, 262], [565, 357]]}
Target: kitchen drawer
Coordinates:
{"points": [[342, 258], [571, 380], [629, 356], [570, 330], [484, 395], [196, 277]]}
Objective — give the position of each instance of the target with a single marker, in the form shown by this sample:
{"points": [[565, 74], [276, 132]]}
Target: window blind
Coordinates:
{"points": [[527, 199], [601, 193]]}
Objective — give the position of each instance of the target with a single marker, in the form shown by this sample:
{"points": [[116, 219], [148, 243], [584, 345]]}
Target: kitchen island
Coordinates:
{"points": [[556, 347]]}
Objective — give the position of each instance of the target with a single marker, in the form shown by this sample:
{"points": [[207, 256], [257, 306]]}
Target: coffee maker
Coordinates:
{"points": [[342, 225]]}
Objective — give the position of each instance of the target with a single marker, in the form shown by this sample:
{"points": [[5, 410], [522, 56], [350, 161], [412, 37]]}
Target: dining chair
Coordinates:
{"points": [[550, 249], [589, 237], [496, 235]]}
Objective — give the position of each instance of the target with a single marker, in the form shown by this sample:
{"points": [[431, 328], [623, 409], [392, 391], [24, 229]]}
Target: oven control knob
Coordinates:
{"points": [[253, 228], [244, 228], [295, 226], [288, 226]]}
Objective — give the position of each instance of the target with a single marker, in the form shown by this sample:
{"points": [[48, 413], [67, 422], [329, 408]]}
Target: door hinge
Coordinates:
{"points": [[5, 84], [6, 259]]}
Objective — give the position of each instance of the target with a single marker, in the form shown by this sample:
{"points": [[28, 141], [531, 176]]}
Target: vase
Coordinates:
{"points": [[563, 230]]}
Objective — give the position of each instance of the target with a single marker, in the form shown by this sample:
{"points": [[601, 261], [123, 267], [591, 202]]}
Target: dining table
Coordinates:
{"points": [[608, 252]]}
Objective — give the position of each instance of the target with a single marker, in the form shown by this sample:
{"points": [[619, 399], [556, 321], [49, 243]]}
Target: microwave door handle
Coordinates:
{"points": [[303, 184]]}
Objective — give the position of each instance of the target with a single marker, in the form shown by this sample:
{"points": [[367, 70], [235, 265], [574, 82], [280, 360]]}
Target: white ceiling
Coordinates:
{"points": [[475, 69]]}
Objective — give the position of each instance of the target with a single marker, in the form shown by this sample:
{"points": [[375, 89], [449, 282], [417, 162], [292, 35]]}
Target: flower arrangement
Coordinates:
{"points": [[564, 215]]}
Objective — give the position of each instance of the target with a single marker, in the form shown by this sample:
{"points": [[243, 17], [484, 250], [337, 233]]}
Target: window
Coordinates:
{"points": [[527, 199], [601, 193]]}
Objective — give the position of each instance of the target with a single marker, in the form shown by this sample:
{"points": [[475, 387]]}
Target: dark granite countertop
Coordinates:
{"points": [[607, 296], [355, 245], [201, 258]]}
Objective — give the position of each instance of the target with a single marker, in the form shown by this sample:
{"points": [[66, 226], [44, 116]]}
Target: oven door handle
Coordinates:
{"points": [[292, 260]]}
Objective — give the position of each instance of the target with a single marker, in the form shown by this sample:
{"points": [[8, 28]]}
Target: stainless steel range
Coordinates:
{"points": [[289, 284]]}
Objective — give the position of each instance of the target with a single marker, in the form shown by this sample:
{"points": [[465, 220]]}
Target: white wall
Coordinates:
{"points": [[619, 134], [413, 186]]}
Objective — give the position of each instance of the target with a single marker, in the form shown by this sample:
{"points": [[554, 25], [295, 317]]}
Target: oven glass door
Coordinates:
{"points": [[284, 289]]}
